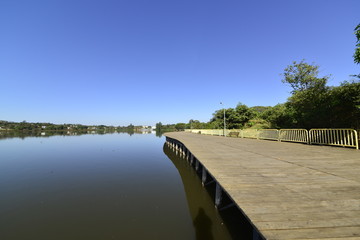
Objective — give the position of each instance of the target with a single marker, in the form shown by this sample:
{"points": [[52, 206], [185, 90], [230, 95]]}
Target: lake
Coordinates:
{"points": [[108, 186]]}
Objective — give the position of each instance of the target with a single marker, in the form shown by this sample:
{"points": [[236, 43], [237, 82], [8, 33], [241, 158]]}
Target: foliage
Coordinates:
{"points": [[279, 116], [196, 124], [357, 50], [27, 126], [345, 105], [258, 123], [234, 118], [180, 126], [161, 128], [258, 110], [319, 106], [308, 107], [302, 76]]}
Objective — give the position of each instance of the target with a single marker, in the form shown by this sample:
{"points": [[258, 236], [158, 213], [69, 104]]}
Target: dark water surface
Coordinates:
{"points": [[112, 186]]}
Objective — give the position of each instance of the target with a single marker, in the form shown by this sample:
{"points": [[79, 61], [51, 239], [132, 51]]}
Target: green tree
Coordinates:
{"points": [[195, 124], [302, 76], [309, 105], [217, 119], [345, 105], [258, 110], [180, 126], [158, 126], [279, 116], [235, 118], [309, 108], [357, 50]]}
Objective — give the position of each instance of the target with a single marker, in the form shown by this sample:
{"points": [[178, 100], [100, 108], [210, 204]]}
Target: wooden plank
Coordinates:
{"points": [[287, 190], [311, 233]]}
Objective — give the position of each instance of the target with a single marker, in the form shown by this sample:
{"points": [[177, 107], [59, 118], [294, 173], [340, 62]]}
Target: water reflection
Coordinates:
{"points": [[202, 225], [24, 134], [206, 219], [114, 186], [209, 223]]}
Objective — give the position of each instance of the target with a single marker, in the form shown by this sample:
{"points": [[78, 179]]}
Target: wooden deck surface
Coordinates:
{"points": [[287, 190]]}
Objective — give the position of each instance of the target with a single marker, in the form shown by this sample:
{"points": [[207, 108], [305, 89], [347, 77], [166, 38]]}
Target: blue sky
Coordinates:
{"points": [[141, 61]]}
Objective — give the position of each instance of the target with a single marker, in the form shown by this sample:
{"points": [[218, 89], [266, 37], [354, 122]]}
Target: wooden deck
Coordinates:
{"points": [[287, 190]]}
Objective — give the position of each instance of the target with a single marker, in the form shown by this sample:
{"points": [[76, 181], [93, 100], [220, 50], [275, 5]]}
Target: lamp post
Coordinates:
{"points": [[224, 120]]}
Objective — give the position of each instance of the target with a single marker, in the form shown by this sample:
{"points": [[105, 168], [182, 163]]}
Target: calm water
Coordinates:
{"points": [[112, 186]]}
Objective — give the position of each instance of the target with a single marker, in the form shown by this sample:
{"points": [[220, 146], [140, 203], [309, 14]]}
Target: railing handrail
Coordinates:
{"points": [[345, 137], [268, 134], [294, 135]]}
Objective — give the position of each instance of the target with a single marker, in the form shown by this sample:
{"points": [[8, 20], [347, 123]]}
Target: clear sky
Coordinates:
{"points": [[144, 61]]}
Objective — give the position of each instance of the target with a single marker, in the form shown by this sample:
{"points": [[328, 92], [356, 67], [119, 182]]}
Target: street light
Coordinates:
{"points": [[224, 120]]}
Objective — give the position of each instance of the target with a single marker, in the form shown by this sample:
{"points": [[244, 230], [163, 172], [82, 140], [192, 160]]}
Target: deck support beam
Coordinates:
{"points": [[203, 176], [209, 182], [197, 165], [218, 195], [227, 206], [191, 159]]}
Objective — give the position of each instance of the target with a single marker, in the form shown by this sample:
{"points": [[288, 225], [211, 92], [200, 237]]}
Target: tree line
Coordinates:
{"points": [[28, 126], [313, 104]]}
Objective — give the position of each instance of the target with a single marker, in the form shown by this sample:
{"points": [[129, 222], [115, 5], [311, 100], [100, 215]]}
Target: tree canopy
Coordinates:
{"points": [[357, 50], [303, 76], [235, 117]]}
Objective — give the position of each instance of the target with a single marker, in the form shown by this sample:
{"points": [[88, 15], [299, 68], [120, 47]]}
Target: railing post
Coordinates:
{"points": [[356, 140]]}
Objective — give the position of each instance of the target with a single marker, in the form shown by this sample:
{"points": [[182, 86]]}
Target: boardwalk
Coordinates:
{"points": [[287, 190]]}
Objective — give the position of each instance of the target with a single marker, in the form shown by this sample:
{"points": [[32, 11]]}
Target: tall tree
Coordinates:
{"points": [[345, 105], [158, 126], [357, 50], [279, 116], [235, 118], [302, 76], [309, 102]]}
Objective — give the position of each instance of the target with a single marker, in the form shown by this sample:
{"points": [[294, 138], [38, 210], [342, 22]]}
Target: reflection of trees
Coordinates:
{"points": [[130, 131], [158, 133], [42, 134]]}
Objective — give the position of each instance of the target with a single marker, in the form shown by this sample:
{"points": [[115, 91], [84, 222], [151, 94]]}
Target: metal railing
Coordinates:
{"points": [[207, 132], [249, 133], [335, 137], [217, 132], [234, 133], [294, 135], [268, 134], [338, 137]]}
